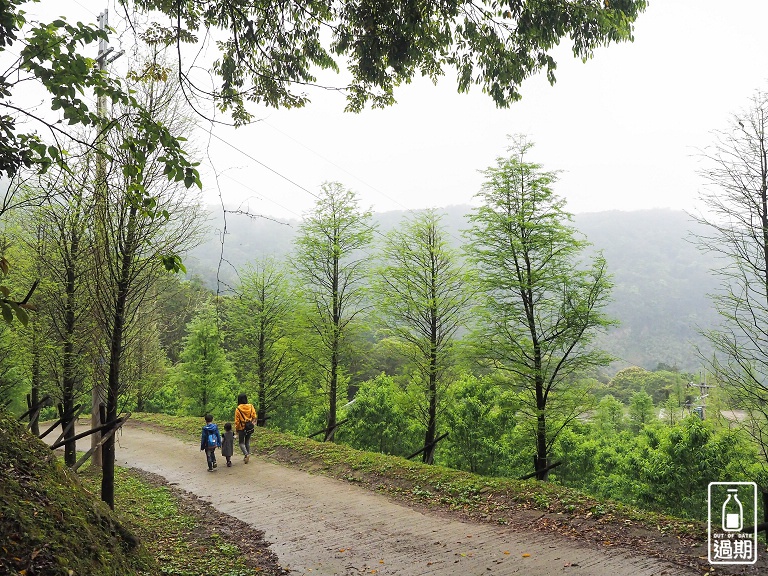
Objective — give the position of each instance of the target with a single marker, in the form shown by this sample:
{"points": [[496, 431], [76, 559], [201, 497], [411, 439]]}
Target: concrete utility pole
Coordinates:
{"points": [[103, 59], [703, 394]]}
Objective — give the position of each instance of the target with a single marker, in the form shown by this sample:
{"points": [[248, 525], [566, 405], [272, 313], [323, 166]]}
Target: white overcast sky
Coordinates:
{"points": [[624, 127]]}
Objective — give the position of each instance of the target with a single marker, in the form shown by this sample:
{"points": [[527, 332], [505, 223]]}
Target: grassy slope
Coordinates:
{"points": [[49, 523]]}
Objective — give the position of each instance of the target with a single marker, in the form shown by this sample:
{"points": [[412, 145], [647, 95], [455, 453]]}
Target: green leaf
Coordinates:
{"points": [[22, 315], [7, 313]]}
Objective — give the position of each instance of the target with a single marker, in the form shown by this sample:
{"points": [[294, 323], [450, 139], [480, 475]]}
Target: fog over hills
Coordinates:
{"points": [[661, 279]]}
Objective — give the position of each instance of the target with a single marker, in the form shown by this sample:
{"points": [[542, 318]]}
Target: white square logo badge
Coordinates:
{"points": [[732, 523]]}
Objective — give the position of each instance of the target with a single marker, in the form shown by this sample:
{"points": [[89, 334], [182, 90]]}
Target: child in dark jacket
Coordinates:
{"points": [[209, 441], [228, 443]]}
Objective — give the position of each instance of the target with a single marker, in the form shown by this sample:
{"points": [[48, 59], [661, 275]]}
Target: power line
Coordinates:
{"points": [[332, 163], [259, 162]]}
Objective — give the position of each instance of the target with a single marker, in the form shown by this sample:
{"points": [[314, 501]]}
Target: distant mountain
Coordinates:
{"points": [[661, 279], [661, 282]]}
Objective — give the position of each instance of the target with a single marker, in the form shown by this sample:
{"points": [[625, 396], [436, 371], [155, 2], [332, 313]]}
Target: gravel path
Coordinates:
{"points": [[322, 526]]}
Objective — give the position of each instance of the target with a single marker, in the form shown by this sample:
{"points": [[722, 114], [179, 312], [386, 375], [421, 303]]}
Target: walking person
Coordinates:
{"points": [[228, 443], [245, 418], [210, 439]]}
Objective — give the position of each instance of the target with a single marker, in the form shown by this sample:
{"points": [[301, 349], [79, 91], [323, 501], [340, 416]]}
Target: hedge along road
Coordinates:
{"points": [[322, 526]]}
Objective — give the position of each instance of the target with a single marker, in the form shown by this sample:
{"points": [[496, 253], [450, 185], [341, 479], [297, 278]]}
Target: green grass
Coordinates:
{"points": [[181, 544]]}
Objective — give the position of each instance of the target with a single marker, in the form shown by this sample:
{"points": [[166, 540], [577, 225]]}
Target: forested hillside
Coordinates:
{"points": [[661, 279]]}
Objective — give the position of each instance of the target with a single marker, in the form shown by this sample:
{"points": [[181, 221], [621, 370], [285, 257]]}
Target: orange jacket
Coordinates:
{"points": [[244, 413]]}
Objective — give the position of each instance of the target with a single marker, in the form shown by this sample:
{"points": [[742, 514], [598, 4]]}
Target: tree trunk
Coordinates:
{"points": [[68, 361], [261, 413], [541, 460], [429, 438], [115, 355], [35, 392], [333, 384]]}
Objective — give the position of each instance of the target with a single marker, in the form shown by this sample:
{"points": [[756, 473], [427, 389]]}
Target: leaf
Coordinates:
{"points": [[22, 315], [7, 313]]}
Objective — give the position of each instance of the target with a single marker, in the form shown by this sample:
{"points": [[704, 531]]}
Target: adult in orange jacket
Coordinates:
{"points": [[244, 413]]}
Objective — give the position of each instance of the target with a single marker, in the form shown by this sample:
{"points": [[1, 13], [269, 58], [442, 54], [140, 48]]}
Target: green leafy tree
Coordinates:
{"points": [[478, 420], [421, 295], [331, 264], [661, 384], [270, 51], [379, 421], [145, 365], [260, 326], [641, 410], [177, 301], [628, 381], [610, 415], [540, 312], [205, 377], [59, 241]]}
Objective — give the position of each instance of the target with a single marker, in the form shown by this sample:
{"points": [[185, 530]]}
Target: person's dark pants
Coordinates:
{"points": [[210, 456], [245, 442]]}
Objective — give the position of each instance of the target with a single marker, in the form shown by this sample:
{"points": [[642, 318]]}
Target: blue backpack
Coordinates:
{"points": [[212, 440]]}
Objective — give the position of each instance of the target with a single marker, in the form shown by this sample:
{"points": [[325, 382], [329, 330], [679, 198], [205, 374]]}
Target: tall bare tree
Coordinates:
{"points": [[64, 220], [149, 218], [736, 213]]}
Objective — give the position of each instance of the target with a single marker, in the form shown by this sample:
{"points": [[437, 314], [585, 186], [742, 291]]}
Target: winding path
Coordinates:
{"points": [[322, 526]]}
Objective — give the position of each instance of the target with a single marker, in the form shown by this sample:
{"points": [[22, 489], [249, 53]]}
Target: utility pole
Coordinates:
{"points": [[100, 192], [703, 395]]}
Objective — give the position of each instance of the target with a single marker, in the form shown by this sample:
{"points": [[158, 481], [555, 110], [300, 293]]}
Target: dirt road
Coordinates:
{"points": [[321, 526]]}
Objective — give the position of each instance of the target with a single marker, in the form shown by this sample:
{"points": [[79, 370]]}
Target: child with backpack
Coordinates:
{"points": [[228, 443], [209, 441]]}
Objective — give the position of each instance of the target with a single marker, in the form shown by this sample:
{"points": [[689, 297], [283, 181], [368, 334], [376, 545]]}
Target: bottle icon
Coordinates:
{"points": [[733, 512]]}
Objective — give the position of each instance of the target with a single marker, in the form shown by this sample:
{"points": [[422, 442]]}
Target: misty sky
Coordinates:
{"points": [[624, 127]]}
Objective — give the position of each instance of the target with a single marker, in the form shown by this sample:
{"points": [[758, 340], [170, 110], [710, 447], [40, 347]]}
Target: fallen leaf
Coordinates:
{"points": [[526, 555], [506, 551]]}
